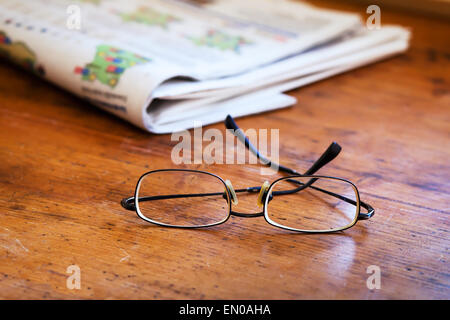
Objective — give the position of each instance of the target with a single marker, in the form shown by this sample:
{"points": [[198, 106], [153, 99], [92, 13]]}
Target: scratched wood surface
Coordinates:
{"points": [[65, 165]]}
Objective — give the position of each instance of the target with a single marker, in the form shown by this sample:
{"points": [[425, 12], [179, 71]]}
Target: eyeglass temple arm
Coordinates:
{"points": [[333, 150], [129, 204], [362, 215]]}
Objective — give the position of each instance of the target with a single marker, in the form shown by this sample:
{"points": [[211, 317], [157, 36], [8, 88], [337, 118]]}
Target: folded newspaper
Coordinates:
{"points": [[161, 64]]}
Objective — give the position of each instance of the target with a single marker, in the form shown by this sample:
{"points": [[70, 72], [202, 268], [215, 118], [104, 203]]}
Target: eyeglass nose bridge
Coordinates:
{"points": [[263, 194], [234, 199], [260, 201]]}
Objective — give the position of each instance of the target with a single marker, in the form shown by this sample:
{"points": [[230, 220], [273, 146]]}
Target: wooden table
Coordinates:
{"points": [[65, 166]]}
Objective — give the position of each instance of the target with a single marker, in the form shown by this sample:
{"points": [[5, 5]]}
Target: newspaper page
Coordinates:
{"points": [[160, 63]]}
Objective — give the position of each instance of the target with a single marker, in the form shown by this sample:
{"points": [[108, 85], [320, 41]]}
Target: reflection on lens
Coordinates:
{"points": [[182, 198], [313, 204]]}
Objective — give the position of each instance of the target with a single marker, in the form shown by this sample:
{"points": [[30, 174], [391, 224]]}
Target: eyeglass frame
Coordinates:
{"points": [[332, 151]]}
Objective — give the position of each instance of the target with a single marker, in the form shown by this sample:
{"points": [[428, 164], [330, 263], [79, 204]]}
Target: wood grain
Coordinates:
{"points": [[65, 166]]}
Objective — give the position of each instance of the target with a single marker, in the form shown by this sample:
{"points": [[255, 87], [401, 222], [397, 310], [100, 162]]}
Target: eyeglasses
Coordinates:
{"points": [[310, 203]]}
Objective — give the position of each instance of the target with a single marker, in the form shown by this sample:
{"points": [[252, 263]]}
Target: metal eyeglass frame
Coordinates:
{"points": [[230, 193]]}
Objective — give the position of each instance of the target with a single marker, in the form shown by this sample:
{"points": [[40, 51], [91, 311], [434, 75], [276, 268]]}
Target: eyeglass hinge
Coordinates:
{"points": [[128, 203]]}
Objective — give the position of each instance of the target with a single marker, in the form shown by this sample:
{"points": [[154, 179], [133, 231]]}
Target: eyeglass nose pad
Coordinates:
{"points": [[262, 192], [234, 199]]}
